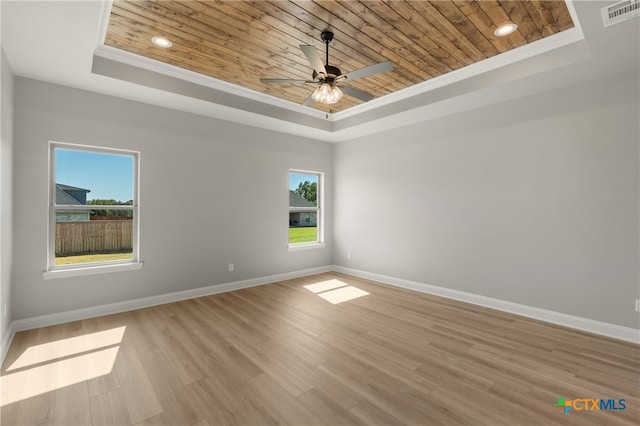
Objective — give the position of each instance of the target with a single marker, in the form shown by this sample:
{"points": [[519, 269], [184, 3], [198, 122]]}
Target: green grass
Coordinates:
{"points": [[303, 235], [90, 258]]}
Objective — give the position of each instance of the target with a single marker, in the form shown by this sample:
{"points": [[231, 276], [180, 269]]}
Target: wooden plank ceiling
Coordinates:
{"points": [[242, 41]]}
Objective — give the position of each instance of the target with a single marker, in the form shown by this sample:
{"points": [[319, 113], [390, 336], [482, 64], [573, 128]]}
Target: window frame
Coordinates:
{"points": [[91, 268], [318, 209]]}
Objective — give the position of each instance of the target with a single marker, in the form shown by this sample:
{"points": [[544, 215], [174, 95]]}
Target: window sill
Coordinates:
{"points": [[91, 270], [303, 246]]}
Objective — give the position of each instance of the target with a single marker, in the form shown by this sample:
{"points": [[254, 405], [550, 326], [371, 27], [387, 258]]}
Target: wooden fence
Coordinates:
{"points": [[101, 236]]}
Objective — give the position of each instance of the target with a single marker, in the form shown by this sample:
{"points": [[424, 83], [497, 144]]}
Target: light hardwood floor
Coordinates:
{"points": [[282, 354]]}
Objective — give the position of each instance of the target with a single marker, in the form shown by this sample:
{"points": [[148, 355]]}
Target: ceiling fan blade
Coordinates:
{"points": [[309, 101], [367, 71], [363, 96], [285, 80], [314, 58]]}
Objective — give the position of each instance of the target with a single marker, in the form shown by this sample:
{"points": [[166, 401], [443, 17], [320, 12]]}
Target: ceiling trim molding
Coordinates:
{"points": [[105, 13], [117, 55], [522, 53], [421, 105], [474, 92], [248, 108]]}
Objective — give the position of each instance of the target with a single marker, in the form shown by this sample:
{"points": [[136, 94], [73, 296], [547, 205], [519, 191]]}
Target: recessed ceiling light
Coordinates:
{"points": [[162, 42], [505, 29]]}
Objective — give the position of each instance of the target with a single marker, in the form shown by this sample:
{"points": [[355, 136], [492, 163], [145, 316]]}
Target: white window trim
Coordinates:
{"points": [[82, 269], [320, 243], [305, 246], [92, 269]]}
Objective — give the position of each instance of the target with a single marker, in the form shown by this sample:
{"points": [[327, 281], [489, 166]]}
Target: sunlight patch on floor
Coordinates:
{"points": [[336, 291], [343, 294], [325, 285], [50, 366], [56, 375], [66, 347]]}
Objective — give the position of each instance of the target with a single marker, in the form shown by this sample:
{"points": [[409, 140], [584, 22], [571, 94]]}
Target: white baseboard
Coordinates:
{"points": [[145, 302], [597, 327], [7, 338], [584, 324]]}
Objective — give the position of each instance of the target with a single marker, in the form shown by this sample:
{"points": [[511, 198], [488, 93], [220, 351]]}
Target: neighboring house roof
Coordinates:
{"points": [[64, 198], [70, 188], [296, 200]]}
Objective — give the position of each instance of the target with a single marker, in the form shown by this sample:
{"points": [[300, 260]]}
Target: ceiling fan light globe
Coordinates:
{"points": [[327, 94], [322, 94], [335, 94]]}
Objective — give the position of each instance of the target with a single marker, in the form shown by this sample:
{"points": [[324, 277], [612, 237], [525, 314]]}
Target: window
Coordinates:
{"points": [[93, 213], [305, 219]]}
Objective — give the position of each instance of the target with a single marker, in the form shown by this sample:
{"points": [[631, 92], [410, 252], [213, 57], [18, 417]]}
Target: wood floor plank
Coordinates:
{"points": [[109, 409], [163, 377], [175, 347], [290, 373], [476, 410], [369, 414], [139, 332], [36, 410], [327, 408], [179, 408], [389, 395], [72, 406], [227, 404], [102, 384], [340, 393], [226, 356], [281, 354], [157, 420], [277, 403], [139, 394]]}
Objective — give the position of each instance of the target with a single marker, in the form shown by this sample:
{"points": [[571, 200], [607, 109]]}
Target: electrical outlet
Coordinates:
{"points": [[348, 255], [231, 267], [4, 310], [637, 305]]}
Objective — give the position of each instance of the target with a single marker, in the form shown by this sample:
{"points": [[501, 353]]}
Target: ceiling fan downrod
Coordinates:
{"points": [[326, 36], [332, 72]]}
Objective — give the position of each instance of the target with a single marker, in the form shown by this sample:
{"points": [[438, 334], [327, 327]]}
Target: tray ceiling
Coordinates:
{"points": [[240, 42]]}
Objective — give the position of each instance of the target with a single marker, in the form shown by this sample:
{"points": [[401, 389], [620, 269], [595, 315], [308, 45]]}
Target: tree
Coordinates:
{"points": [[99, 202], [308, 191]]}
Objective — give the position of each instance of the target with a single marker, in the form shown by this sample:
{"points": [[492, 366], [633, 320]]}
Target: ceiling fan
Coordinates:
{"points": [[329, 78]]}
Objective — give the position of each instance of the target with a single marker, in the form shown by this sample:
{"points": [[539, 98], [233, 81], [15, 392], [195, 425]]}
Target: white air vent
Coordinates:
{"points": [[621, 11]]}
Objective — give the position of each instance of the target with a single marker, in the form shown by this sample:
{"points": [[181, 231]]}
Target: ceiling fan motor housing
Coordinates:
{"points": [[332, 73], [326, 36]]}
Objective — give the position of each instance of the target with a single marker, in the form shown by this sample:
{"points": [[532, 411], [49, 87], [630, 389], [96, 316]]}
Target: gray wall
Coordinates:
{"points": [[6, 193], [202, 181], [534, 201]]}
